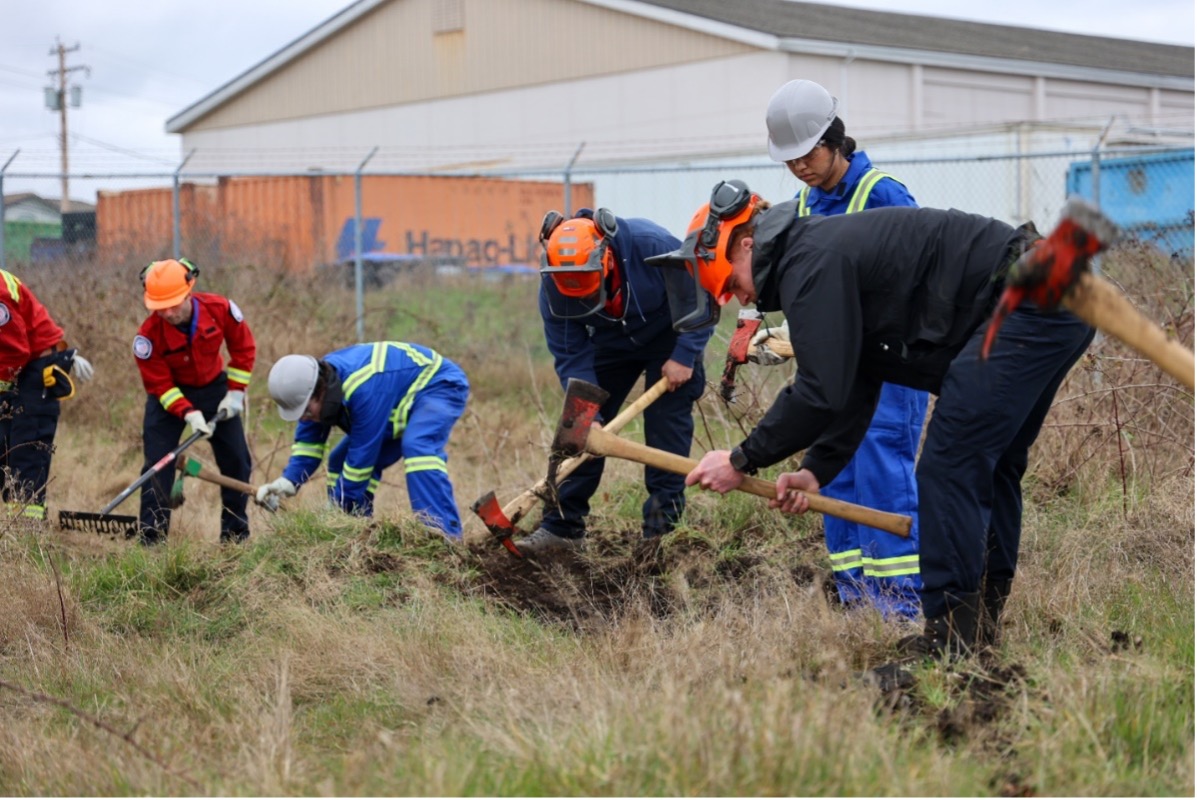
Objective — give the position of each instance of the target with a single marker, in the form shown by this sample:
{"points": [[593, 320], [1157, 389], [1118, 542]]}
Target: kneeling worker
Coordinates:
{"points": [[394, 400]]}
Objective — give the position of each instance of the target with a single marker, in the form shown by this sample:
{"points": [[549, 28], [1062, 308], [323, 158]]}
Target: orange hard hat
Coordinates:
{"points": [[578, 256], [167, 283], [713, 233]]}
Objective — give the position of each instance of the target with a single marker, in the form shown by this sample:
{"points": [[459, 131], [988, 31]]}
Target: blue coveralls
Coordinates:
{"points": [[399, 401], [865, 561], [612, 353]]}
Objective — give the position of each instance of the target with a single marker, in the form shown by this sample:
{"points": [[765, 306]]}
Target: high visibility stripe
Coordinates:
{"points": [[861, 196], [846, 560], [239, 375], [378, 361], [34, 512], [803, 208], [891, 567], [171, 396], [399, 415], [308, 450], [357, 474], [14, 284], [424, 463], [372, 486], [333, 477]]}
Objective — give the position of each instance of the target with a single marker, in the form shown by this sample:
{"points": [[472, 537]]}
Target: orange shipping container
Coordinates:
{"points": [[302, 222]]}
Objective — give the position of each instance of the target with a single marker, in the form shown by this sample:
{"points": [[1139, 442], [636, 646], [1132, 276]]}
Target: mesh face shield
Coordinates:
{"points": [[575, 260]]}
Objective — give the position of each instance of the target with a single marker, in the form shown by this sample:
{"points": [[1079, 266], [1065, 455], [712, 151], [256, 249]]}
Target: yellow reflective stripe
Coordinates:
{"points": [[372, 485], [412, 353], [239, 375], [845, 560], [399, 415], [424, 463], [171, 396], [803, 208], [333, 477], [14, 284], [34, 512], [378, 360], [357, 474], [308, 450], [861, 196], [891, 567]]}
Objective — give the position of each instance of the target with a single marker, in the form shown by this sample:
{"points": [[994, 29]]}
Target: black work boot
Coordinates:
{"points": [[993, 603], [953, 635]]}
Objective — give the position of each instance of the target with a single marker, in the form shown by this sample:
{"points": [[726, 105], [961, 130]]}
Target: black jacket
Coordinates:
{"points": [[884, 295]]}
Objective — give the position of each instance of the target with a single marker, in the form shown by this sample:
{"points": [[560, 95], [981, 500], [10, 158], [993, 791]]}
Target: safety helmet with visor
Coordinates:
{"points": [[576, 261], [799, 113], [167, 283], [291, 384], [698, 272]]}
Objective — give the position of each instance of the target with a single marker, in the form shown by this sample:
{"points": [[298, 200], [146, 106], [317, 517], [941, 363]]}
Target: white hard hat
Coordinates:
{"points": [[800, 112], [291, 383]]}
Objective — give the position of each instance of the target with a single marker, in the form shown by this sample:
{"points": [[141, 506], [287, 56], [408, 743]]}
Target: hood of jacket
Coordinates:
{"points": [[773, 230]]}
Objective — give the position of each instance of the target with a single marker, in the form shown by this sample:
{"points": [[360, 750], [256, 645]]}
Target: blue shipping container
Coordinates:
{"points": [[1150, 196]]}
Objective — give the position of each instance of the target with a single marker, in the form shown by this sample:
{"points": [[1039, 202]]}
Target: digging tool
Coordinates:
{"points": [[575, 434], [1056, 272], [193, 467], [747, 324], [502, 521], [107, 523]]}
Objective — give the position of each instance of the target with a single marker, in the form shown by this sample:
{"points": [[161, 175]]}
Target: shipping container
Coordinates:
{"points": [[304, 222]]}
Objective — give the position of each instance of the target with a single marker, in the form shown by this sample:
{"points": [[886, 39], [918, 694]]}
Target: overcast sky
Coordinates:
{"points": [[150, 60]]}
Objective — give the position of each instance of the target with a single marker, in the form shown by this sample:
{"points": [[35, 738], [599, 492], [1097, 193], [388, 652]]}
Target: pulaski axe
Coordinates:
{"points": [[1056, 272], [575, 434], [502, 521], [193, 467]]}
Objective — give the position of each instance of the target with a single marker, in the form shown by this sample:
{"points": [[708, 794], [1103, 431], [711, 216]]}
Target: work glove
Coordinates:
{"points": [[81, 368], [270, 493], [760, 353], [195, 419], [232, 404]]}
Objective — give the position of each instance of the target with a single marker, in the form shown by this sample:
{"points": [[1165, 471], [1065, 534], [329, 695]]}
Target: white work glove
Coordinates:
{"points": [[270, 493], [195, 419], [81, 368], [232, 404], [760, 353]]}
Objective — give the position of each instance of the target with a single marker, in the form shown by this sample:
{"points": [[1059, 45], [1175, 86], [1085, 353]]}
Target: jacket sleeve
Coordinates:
{"points": [[690, 345], [307, 452], [370, 410], [569, 343], [832, 451], [155, 372], [242, 348], [822, 304]]}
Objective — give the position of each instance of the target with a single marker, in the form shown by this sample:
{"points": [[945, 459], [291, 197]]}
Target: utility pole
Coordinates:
{"points": [[56, 100]]}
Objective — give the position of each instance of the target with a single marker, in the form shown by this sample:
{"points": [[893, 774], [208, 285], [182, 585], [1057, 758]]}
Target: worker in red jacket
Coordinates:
{"points": [[35, 373], [178, 352]]}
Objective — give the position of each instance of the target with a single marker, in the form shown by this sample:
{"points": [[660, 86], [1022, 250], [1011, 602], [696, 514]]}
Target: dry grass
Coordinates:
{"points": [[331, 656]]}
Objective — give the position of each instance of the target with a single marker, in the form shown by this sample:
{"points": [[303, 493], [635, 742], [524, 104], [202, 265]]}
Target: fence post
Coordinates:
{"points": [[1096, 160], [3, 254], [568, 169], [359, 303], [174, 202]]}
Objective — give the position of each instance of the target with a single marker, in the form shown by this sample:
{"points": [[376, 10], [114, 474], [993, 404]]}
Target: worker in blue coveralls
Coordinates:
{"points": [[607, 321], [869, 565], [394, 400]]}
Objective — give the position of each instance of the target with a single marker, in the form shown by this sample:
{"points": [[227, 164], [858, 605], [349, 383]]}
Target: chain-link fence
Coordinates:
{"points": [[390, 222]]}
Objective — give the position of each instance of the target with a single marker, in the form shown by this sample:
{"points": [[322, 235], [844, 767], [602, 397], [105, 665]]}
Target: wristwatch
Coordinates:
{"points": [[740, 462]]}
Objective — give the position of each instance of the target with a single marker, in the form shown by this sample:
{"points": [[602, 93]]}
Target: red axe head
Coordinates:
{"points": [[747, 324], [487, 507]]}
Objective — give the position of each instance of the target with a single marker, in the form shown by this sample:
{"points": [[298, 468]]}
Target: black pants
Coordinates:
{"points": [[28, 422], [668, 425], [969, 475], [161, 433]]}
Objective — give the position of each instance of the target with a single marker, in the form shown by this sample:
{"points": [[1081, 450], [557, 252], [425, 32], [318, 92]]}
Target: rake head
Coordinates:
{"points": [[101, 524]]}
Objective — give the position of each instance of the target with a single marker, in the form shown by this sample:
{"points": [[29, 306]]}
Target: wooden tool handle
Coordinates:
{"points": [[600, 442], [781, 347], [521, 505], [1102, 305], [212, 476]]}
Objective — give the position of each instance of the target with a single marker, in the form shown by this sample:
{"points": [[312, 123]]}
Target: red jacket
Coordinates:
{"points": [[25, 327], [170, 359]]}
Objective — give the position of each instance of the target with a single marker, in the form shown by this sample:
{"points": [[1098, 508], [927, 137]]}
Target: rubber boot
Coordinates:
{"points": [[993, 603], [952, 635]]}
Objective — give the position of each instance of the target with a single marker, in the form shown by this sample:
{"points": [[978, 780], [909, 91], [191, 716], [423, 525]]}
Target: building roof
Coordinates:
{"points": [[796, 20], [797, 26], [51, 203]]}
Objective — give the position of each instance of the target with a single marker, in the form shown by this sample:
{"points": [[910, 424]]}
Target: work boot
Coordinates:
{"points": [[993, 603], [953, 634], [544, 541]]}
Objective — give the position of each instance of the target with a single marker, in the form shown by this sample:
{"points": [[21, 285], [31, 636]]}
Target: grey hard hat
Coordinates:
{"points": [[291, 383], [799, 113]]}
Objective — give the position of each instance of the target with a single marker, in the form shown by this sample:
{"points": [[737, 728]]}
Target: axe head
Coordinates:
{"points": [[488, 509], [747, 324], [582, 403]]}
